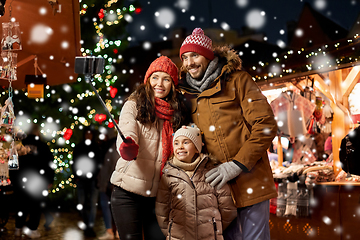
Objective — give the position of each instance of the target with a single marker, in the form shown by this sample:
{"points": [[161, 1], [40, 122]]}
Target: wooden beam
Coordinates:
{"points": [[341, 123], [25, 60], [350, 81], [335, 85], [323, 87]]}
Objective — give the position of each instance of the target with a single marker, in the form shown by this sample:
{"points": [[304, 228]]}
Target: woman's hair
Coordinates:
{"points": [[145, 104]]}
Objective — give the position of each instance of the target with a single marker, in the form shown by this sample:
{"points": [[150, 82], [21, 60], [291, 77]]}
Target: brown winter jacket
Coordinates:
{"points": [[238, 124], [190, 209]]}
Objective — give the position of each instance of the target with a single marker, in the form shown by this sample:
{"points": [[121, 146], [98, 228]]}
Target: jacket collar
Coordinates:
{"points": [[174, 171]]}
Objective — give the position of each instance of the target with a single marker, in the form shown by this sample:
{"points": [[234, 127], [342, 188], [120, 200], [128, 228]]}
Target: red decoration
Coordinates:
{"points": [[100, 117], [101, 14], [111, 124], [115, 51], [138, 10], [68, 133], [113, 91]]}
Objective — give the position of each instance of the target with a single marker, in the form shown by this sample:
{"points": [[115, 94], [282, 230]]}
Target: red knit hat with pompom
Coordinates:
{"points": [[199, 43], [163, 64]]}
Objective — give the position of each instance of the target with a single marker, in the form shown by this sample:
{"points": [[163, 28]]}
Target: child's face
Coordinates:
{"points": [[184, 149]]}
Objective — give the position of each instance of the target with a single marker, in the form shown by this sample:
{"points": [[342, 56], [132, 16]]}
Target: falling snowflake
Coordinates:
{"points": [[299, 32], [320, 4], [147, 45], [182, 4], [79, 207], [34, 183], [165, 16], [23, 122], [242, 3], [40, 33], [255, 19], [249, 190], [84, 165], [73, 234], [225, 26], [280, 43]]}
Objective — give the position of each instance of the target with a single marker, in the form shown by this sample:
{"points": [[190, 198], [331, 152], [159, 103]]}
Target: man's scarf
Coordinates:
{"points": [[212, 72], [164, 112]]}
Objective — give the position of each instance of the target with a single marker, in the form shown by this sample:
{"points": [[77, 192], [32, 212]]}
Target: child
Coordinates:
{"points": [[186, 206]]}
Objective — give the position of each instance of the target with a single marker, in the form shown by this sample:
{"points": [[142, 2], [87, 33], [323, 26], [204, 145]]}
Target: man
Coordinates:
{"points": [[238, 126]]}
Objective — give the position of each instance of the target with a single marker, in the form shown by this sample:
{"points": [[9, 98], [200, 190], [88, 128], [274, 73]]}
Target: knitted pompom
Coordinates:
{"points": [[197, 42], [198, 31]]}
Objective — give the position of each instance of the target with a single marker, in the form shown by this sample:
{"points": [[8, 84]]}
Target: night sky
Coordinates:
{"points": [[269, 17]]}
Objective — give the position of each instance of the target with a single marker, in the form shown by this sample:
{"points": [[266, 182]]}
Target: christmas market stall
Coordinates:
{"points": [[39, 42], [315, 97]]}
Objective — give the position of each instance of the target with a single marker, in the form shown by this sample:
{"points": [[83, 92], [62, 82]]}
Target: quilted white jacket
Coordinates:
{"points": [[140, 176]]}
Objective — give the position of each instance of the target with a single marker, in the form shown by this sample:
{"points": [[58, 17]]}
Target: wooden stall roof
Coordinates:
{"points": [[50, 38]]}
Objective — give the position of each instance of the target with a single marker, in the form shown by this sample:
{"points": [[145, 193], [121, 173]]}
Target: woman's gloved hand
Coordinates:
{"points": [[129, 149]]}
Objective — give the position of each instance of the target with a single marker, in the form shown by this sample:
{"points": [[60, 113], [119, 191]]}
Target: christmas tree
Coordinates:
{"points": [[66, 109]]}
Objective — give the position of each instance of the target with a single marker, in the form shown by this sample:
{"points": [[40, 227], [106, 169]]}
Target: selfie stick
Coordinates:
{"points": [[88, 66], [88, 78]]}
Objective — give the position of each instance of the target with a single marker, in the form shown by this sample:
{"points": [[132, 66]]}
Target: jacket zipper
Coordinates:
{"points": [[127, 166], [155, 162], [170, 225], [215, 229]]}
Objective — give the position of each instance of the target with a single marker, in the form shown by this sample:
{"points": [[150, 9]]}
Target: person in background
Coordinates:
{"points": [[31, 183], [186, 206], [238, 125], [105, 187], [87, 158], [148, 119]]}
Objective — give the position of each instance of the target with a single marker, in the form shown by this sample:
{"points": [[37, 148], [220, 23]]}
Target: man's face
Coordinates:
{"points": [[195, 64]]}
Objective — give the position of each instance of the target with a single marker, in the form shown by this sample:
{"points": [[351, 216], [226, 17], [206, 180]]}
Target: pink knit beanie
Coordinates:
{"points": [[163, 64], [199, 43]]}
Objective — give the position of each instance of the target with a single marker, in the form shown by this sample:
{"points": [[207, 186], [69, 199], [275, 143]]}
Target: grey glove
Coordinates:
{"points": [[222, 174]]}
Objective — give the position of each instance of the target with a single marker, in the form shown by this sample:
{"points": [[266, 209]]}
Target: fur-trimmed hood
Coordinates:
{"points": [[233, 61], [225, 54]]}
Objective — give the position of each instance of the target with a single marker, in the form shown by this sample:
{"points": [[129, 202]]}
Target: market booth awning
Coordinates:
{"points": [[332, 69], [50, 39]]}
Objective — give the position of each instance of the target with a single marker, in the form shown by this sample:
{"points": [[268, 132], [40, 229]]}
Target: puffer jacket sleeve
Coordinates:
{"points": [[128, 124], [259, 115], [227, 208], [163, 204]]}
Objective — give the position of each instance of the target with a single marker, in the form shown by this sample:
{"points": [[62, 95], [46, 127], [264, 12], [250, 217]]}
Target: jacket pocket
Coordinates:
{"points": [[169, 230], [215, 228], [223, 97]]}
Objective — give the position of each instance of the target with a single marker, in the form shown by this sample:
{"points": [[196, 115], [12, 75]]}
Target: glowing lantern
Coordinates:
{"points": [[35, 85]]}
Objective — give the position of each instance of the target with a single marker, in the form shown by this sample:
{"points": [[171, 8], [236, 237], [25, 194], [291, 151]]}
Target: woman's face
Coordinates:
{"points": [[161, 83]]}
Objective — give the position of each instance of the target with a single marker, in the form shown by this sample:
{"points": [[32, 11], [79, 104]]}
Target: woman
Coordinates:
{"points": [[148, 120]]}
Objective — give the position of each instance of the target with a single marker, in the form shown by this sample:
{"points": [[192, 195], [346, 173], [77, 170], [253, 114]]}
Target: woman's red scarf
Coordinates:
{"points": [[164, 112]]}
